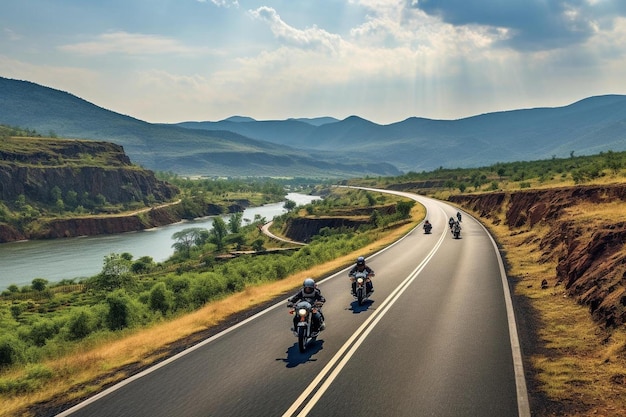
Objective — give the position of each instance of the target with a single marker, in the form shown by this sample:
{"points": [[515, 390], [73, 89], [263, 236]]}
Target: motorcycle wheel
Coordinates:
{"points": [[359, 296], [302, 339]]}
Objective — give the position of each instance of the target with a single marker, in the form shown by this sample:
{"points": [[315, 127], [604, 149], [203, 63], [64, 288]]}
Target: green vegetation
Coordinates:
{"points": [[44, 321], [58, 179], [8, 131], [512, 175]]}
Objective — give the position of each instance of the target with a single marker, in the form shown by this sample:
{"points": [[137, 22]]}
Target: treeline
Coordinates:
{"points": [[8, 131], [579, 169]]}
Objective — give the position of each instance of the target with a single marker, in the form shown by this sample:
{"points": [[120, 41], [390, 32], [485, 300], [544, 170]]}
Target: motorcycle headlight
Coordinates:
{"points": [[360, 280], [302, 312]]}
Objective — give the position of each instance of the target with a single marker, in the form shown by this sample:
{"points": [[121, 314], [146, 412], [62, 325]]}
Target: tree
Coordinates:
{"points": [[81, 323], [234, 224], [289, 205], [613, 162], [11, 350], [376, 218], [218, 233], [120, 310], [71, 199], [186, 239], [404, 208], [143, 264], [258, 246], [39, 284], [116, 273], [161, 299], [20, 202], [56, 194]]}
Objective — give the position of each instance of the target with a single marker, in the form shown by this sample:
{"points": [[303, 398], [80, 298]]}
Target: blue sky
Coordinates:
{"points": [[384, 60]]}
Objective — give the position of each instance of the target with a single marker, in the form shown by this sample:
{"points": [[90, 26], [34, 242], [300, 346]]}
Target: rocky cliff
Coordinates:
{"points": [[586, 236], [301, 229], [38, 174], [32, 167]]}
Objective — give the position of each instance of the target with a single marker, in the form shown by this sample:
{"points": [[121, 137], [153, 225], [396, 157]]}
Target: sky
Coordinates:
{"points": [[168, 61]]}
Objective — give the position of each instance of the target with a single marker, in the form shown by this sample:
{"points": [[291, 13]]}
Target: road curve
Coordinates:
{"points": [[437, 339]]}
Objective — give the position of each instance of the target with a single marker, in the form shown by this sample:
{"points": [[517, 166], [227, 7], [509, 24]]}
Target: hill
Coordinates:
{"points": [[325, 147], [44, 179], [167, 147], [587, 127]]}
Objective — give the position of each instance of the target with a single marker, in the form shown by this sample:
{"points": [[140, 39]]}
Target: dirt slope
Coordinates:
{"points": [[582, 228]]}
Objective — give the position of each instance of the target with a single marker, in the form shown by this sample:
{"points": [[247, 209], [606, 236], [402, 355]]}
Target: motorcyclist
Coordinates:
{"points": [[458, 215], [310, 293], [360, 267], [451, 222], [427, 225], [456, 228]]}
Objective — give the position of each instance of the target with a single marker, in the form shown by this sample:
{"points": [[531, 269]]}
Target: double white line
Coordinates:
{"points": [[305, 402]]}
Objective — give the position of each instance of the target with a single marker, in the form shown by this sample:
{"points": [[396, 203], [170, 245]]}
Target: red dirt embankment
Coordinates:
{"points": [[590, 252]]}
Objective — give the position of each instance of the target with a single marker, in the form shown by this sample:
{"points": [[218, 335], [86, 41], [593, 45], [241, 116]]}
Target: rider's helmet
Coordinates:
{"points": [[360, 260], [308, 286]]}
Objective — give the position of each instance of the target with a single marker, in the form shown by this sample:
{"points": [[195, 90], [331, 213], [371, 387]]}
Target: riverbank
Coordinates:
{"points": [[94, 225], [80, 257]]}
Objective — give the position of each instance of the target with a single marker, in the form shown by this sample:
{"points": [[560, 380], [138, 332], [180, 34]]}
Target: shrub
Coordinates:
{"points": [[121, 312], [39, 284], [42, 330], [161, 299], [11, 350], [81, 324]]}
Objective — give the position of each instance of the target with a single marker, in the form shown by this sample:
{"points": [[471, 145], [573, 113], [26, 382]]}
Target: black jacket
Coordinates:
{"points": [[355, 269], [311, 298]]}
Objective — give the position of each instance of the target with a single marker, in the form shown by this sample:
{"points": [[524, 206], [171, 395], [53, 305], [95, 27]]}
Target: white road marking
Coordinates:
{"points": [[341, 358]]}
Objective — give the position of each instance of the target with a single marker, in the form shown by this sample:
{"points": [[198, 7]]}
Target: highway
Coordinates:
{"points": [[437, 339]]}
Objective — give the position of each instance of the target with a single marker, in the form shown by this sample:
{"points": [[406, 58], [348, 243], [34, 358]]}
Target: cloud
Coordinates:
{"points": [[222, 3], [12, 35], [130, 44], [313, 37], [530, 24]]}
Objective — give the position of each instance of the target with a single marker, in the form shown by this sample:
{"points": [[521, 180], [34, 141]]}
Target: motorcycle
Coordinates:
{"points": [[456, 231], [428, 228], [303, 326], [360, 290]]}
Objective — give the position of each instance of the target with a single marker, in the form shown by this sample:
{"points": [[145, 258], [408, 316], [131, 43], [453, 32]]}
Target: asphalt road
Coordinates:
{"points": [[435, 340]]}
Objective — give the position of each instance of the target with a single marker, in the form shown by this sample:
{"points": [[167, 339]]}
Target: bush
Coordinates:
{"points": [[39, 284], [161, 299], [81, 324], [11, 350], [42, 330], [122, 311]]}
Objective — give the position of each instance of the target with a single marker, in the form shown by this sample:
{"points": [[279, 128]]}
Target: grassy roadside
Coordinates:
{"points": [[87, 371]]}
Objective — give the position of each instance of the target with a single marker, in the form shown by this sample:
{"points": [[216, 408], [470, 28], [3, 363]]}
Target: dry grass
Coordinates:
{"points": [[579, 368], [593, 214], [88, 371]]}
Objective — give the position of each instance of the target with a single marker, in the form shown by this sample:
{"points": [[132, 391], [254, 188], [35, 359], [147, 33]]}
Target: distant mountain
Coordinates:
{"points": [[587, 127], [168, 147], [324, 146]]}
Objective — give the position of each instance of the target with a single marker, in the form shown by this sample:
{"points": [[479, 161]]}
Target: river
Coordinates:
{"points": [[58, 259]]}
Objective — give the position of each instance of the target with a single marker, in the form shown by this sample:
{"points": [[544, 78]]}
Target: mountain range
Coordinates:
{"points": [[323, 147]]}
